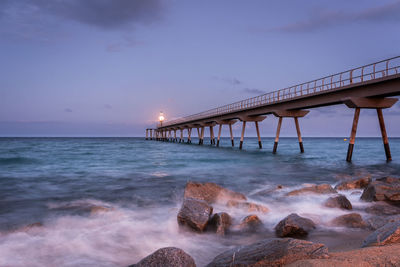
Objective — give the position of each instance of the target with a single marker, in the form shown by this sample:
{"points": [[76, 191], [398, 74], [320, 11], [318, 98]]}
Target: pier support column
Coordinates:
{"points": [[242, 136], [353, 134], [278, 130], [147, 133], [296, 121], [258, 135], [369, 103], [151, 134], [175, 139], [212, 139], [384, 135], [189, 135], [230, 130], [181, 136], [198, 134], [219, 134], [201, 136]]}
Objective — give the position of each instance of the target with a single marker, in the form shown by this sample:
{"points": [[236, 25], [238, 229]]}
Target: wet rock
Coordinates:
{"points": [[339, 201], [211, 193], [195, 214], [354, 184], [351, 220], [167, 257], [383, 189], [250, 223], [294, 226], [383, 209], [99, 209], [221, 222], [270, 252], [376, 222], [315, 189], [387, 234], [247, 206]]}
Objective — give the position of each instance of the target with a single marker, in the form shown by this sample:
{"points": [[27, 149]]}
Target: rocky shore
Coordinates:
{"points": [[209, 208]]}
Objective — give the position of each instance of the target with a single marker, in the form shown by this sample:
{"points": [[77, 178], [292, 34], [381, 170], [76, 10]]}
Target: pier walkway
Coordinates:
{"points": [[367, 87]]}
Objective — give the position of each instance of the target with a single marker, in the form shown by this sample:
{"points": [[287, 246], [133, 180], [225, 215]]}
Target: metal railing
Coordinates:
{"points": [[373, 71]]}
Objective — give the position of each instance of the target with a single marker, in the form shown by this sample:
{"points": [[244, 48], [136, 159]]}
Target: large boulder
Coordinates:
{"points": [[270, 252], [211, 193], [195, 214], [383, 189], [314, 189], [247, 206], [294, 226], [339, 201], [376, 222], [351, 220], [167, 257], [220, 222], [354, 184], [387, 234]]}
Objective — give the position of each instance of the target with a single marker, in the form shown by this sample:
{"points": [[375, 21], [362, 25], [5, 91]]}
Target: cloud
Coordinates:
{"points": [[320, 18], [68, 110], [104, 14], [253, 91], [231, 81]]}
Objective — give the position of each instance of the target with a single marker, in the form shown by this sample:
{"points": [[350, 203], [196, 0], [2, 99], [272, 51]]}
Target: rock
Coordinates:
{"points": [[167, 257], [250, 223], [376, 222], [99, 209], [294, 226], [354, 184], [315, 189], [387, 234], [339, 201], [383, 189], [248, 206], [351, 220], [194, 213], [387, 256], [221, 222], [270, 252], [211, 193], [383, 209]]}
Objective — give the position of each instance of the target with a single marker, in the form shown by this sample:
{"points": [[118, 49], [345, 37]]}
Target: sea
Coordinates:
{"points": [[113, 201]]}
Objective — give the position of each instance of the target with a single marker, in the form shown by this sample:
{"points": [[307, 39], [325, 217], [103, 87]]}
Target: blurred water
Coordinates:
{"points": [[49, 180]]}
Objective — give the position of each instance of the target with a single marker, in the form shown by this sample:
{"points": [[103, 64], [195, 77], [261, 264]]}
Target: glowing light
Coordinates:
{"points": [[161, 117]]}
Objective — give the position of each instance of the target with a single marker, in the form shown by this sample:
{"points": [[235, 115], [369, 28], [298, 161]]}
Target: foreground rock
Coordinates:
{"points": [[339, 201], [247, 206], [388, 234], [195, 214], [354, 184], [315, 189], [376, 222], [294, 226], [167, 257], [211, 193], [270, 252], [352, 220], [221, 222], [383, 189], [383, 209], [387, 256]]}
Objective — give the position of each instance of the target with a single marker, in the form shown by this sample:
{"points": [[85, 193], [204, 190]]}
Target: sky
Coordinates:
{"points": [[108, 67]]}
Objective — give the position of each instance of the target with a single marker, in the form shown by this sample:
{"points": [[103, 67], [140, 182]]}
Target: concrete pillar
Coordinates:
{"points": [[201, 136], [230, 130], [242, 136], [278, 130], [384, 135], [189, 135], [219, 134], [212, 139], [175, 136], [258, 135], [147, 133], [180, 139], [296, 121], [353, 134]]}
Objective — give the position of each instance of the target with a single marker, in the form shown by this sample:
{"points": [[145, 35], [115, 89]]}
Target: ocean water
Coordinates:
{"points": [[57, 181]]}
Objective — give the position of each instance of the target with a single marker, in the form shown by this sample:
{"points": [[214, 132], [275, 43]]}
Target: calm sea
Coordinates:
{"points": [[56, 181]]}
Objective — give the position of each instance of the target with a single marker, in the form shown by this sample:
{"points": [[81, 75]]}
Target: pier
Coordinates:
{"points": [[367, 87]]}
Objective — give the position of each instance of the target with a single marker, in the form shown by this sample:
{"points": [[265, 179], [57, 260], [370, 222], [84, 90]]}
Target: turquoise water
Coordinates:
{"points": [[55, 180]]}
